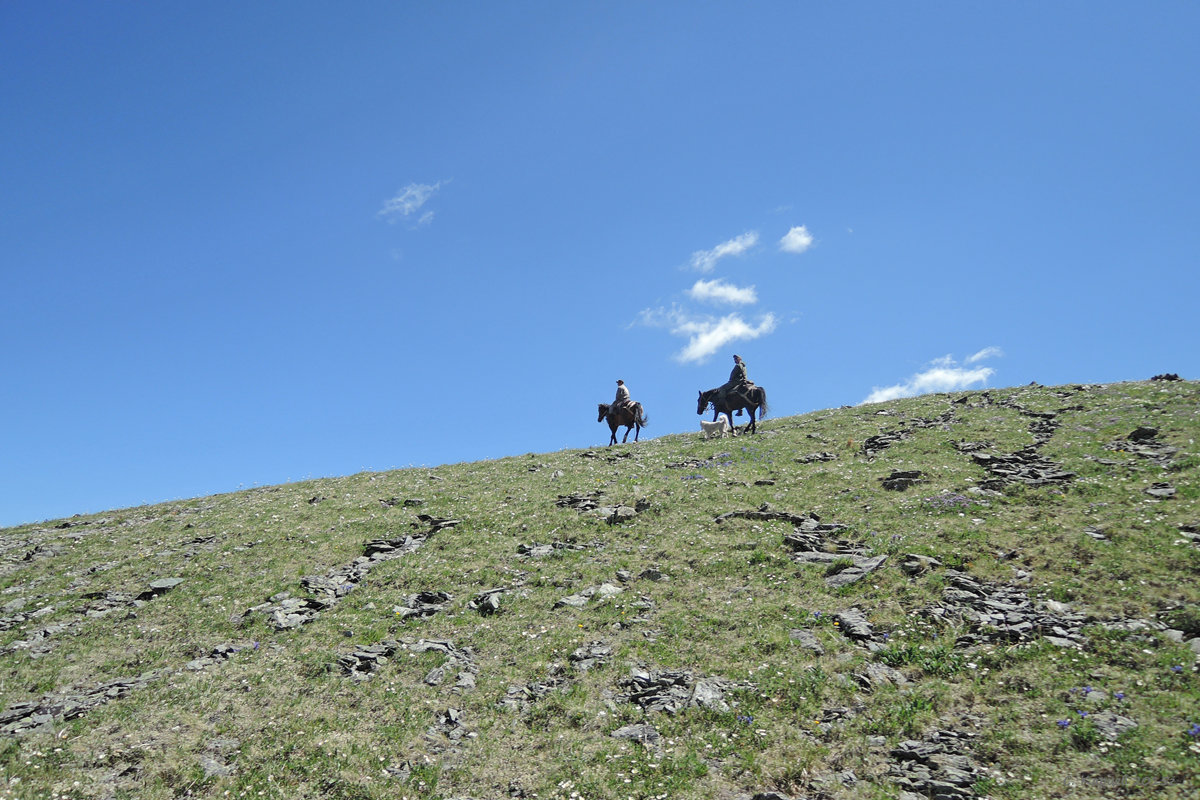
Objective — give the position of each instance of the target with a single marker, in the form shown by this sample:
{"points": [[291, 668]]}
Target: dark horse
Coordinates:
{"points": [[630, 416], [757, 397]]}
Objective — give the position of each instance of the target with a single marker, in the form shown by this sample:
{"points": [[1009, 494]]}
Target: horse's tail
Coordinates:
{"points": [[762, 407], [640, 415]]}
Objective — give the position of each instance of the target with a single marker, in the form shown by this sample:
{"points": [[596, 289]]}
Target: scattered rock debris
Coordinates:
{"points": [[535, 550], [519, 698], [592, 654], [939, 765], [40, 641], [671, 691], [1024, 466], [291, 612], [874, 445], [71, 702], [423, 605], [848, 562], [999, 613], [581, 599], [813, 458]]}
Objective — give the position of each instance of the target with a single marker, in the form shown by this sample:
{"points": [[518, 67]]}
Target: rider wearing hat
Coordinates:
{"points": [[622, 398], [737, 384]]}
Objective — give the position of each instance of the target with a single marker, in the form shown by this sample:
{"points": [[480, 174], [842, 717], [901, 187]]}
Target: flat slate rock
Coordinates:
{"points": [[808, 641], [856, 572], [644, 733], [1112, 725], [900, 480]]}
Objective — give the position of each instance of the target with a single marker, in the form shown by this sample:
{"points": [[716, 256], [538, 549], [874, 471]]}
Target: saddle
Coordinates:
{"points": [[744, 388]]}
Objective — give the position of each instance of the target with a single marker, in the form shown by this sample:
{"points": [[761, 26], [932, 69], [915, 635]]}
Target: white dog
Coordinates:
{"points": [[718, 428]]}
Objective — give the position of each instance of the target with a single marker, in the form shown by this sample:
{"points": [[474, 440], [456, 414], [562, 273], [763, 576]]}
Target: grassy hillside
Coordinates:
{"points": [[989, 594]]}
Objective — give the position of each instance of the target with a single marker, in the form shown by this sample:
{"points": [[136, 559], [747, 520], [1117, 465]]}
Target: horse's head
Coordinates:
{"points": [[603, 412], [702, 402]]}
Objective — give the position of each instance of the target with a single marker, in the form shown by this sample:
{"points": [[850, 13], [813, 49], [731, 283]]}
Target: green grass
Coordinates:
{"points": [[279, 719]]}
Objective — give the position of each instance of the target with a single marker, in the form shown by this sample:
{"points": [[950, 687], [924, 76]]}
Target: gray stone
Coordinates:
{"points": [[853, 624], [808, 641], [1111, 725], [900, 480], [878, 675], [644, 733], [915, 564], [213, 768], [912, 750], [487, 603], [856, 572], [165, 584], [422, 604], [590, 655]]}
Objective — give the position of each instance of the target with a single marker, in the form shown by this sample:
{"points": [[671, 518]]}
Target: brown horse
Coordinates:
{"points": [[631, 416], [754, 399]]}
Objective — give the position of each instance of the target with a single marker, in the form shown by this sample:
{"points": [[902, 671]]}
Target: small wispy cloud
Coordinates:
{"points": [[409, 201], [720, 292], [797, 240], [943, 374], [706, 260], [985, 353], [705, 334]]}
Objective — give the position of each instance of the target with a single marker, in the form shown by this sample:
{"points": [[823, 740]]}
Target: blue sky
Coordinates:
{"points": [[251, 243]]}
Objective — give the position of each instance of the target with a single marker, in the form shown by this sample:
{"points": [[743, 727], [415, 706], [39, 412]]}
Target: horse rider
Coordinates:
{"points": [[737, 385], [622, 398]]}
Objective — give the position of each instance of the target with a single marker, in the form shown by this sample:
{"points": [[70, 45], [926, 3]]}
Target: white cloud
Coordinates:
{"points": [[408, 201], [942, 375], [705, 260], [985, 353], [720, 292], [706, 335], [797, 240]]}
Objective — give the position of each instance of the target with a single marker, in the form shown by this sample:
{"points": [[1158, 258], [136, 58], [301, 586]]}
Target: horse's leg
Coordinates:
{"points": [[637, 429]]}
